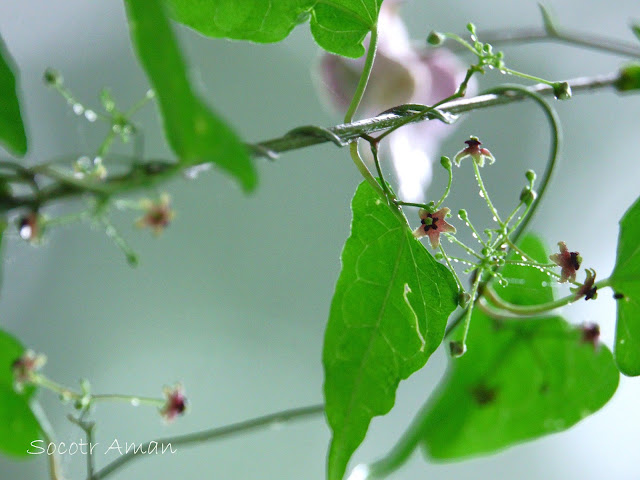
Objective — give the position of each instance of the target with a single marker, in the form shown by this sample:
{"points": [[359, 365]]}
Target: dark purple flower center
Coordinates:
{"points": [[472, 143], [434, 221]]}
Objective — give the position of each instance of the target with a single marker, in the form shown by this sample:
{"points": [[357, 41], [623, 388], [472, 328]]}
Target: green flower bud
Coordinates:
{"points": [[435, 38], [528, 196], [445, 162], [562, 90], [531, 175], [457, 349], [52, 77]]}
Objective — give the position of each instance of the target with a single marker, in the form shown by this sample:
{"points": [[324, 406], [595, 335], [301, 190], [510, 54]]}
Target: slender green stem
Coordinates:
{"points": [[69, 394], [400, 452], [362, 168], [530, 310], [526, 263], [144, 175], [55, 472], [211, 435], [475, 233], [513, 213], [88, 428], [411, 204], [364, 76], [353, 107], [554, 149], [467, 248], [561, 35], [453, 271], [447, 190], [373, 144], [466, 322], [526, 76], [485, 194]]}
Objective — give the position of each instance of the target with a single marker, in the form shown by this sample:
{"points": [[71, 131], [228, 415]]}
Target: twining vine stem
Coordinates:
{"points": [[153, 172], [212, 434]]}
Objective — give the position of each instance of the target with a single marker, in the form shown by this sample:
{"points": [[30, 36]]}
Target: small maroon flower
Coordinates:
{"points": [[30, 227], [175, 404], [24, 368], [158, 215], [587, 290], [568, 261], [590, 333], [475, 151], [432, 225]]}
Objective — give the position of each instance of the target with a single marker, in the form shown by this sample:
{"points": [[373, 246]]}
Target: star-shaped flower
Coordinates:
{"points": [[587, 290], [475, 151], [176, 402], [158, 215], [432, 225], [24, 368], [568, 261]]}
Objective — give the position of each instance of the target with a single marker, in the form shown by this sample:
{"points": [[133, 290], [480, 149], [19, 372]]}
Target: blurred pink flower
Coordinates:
{"points": [[401, 74]]}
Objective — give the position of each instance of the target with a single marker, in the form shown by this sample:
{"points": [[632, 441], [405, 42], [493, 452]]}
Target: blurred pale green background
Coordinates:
{"points": [[232, 300]]}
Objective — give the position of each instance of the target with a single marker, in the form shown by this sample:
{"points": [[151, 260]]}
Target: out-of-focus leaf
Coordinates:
{"points": [[18, 425], [194, 132], [339, 26], [388, 315], [518, 381], [625, 280], [12, 133]]}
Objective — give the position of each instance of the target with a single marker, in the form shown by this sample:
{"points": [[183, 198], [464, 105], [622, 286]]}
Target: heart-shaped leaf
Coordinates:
{"points": [[388, 315]]}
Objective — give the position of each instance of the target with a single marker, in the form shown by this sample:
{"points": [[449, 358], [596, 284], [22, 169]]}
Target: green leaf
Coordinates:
{"points": [[339, 26], [625, 280], [526, 285], [519, 379], [388, 315], [18, 425], [635, 28], [195, 134], [12, 133], [261, 21]]}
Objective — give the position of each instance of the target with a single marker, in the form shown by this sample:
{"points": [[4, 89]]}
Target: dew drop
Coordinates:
{"points": [[495, 219], [150, 94], [90, 115], [455, 260], [481, 193], [78, 109], [26, 231], [474, 235], [116, 129], [359, 472], [135, 402], [621, 342]]}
